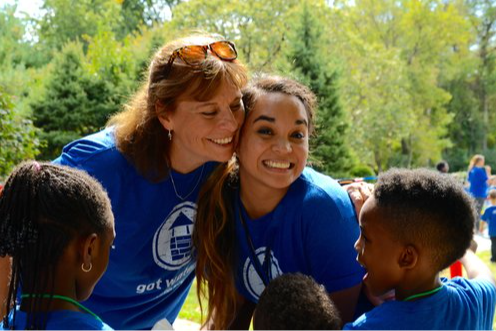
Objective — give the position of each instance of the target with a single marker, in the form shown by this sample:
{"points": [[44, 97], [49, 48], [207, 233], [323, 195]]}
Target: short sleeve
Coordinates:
{"points": [[330, 238]]}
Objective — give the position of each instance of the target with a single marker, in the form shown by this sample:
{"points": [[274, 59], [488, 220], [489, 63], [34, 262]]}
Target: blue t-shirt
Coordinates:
{"points": [[461, 304], [478, 182], [489, 216], [60, 320], [151, 267], [311, 231]]}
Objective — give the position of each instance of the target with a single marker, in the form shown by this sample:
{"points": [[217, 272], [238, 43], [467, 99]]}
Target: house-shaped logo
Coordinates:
{"points": [[172, 243]]}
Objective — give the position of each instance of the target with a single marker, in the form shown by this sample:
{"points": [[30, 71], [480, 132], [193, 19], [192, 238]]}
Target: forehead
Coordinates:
{"points": [[278, 104], [371, 213], [222, 89]]}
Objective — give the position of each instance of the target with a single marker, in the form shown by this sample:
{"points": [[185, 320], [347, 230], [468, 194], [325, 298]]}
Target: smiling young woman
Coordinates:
{"points": [[266, 214]]}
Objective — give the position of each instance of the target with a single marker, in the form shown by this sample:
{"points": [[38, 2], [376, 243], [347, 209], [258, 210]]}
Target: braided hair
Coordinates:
{"points": [[43, 207]]}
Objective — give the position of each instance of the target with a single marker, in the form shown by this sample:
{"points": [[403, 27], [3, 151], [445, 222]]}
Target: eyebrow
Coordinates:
{"points": [[273, 120]]}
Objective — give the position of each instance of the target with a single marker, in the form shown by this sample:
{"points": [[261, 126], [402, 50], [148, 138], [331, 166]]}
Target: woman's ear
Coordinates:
{"points": [[409, 257], [164, 116], [89, 251]]}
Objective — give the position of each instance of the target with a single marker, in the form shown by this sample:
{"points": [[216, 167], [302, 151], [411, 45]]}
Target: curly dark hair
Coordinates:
{"points": [[424, 207], [42, 208], [295, 302]]}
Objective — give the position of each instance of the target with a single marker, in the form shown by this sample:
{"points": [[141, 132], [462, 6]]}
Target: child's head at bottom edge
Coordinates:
{"points": [[417, 223], [295, 302]]}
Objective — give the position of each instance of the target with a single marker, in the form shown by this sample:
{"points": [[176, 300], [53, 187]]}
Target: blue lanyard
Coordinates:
{"points": [[263, 270]]}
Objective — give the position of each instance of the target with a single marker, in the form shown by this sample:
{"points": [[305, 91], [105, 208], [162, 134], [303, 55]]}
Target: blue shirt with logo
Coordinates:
{"points": [[489, 216], [151, 267], [462, 304], [311, 231], [60, 320]]}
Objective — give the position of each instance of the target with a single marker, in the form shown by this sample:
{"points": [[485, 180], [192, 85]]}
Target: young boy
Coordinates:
{"points": [[489, 217], [417, 223], [295, 302]]}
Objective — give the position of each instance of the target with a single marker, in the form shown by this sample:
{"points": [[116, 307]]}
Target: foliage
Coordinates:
{"points": [[330, 153], [416, 78], [18, 137], [74, 103], [258, 27]]}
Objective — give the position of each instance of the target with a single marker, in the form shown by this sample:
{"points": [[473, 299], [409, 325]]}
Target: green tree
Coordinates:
{"points": [[394, 53], [258, 27], [307, 56], [74, 104], [18, 139]]}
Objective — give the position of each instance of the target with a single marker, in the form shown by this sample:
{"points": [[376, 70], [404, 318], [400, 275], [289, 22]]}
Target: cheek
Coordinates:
{"points": [[240, 118]]}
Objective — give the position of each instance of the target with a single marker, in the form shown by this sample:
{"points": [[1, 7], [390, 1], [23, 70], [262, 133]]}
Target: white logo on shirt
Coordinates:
{"points": [[251, 278], [172, 243]]}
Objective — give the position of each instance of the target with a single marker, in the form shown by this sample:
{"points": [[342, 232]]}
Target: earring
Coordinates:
{"points": [[86, 270], [170, 135]]}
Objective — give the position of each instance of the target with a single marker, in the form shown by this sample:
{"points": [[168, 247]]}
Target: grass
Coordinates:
{"points": [[191, 308]]}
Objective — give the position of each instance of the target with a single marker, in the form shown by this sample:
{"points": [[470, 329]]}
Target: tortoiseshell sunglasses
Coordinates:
{"points": [[194, 55]]}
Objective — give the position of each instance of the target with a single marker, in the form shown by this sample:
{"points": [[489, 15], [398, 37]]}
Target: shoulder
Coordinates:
{"points": [[72, 320], [477, 286], [100, 145], [323, 192], [375, 319]]}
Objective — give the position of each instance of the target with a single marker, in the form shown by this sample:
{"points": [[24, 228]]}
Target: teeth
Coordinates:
{"points": [[278, 165], [222, 141]]}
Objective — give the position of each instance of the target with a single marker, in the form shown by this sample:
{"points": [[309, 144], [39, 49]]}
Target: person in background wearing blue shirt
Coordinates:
{"points": [[417, 223], [478, 176], [278, 216], [57, 225], [489, 217]]}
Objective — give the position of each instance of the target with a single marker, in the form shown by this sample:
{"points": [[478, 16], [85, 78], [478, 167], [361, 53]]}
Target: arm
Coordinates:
{"points": [[5, 267], [476, 268], [346, 300]]}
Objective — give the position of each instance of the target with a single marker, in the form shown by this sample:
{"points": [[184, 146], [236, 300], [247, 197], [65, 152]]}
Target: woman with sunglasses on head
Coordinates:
{"points": [[152, 160], [266, 213]]}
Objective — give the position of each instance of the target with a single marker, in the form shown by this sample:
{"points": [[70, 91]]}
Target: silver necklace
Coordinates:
{"points": [[194, 188]]}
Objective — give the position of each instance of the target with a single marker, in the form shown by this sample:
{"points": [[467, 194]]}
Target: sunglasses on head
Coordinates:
{"points": [[194, 55]]}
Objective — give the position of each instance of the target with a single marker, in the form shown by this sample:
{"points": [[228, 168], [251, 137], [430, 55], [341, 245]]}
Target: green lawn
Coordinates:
{"points": [[191, 308]]}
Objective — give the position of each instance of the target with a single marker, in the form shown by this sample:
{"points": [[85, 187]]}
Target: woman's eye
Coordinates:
{"points": [[209, 113], [298, 135], [237, 107], [265, 131]]}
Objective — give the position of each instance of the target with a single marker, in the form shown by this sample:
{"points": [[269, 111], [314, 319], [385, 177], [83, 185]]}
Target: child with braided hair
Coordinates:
{"points": [[57, 226]]}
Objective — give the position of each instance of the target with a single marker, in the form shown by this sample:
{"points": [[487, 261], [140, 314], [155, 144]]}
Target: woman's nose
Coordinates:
{"points": [[282, 146], [228, 121]]}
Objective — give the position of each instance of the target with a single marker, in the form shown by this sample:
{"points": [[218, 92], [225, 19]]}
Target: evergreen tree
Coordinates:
{"points": [[330, 153], [74, 104], [17, 136]]}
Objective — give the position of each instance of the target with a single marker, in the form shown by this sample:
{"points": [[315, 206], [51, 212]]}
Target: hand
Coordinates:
{"points": [[359, 193]]}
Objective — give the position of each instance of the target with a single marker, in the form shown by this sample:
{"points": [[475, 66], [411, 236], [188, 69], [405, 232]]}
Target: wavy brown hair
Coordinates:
{"points": [[138, 132], [214, 235]]}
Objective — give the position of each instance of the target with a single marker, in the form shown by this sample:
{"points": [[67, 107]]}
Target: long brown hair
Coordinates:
{"points": [[138, 132], [214, 235]]}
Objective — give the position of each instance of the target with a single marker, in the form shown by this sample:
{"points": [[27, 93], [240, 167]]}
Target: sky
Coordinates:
{"points": [[30, 7]]}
